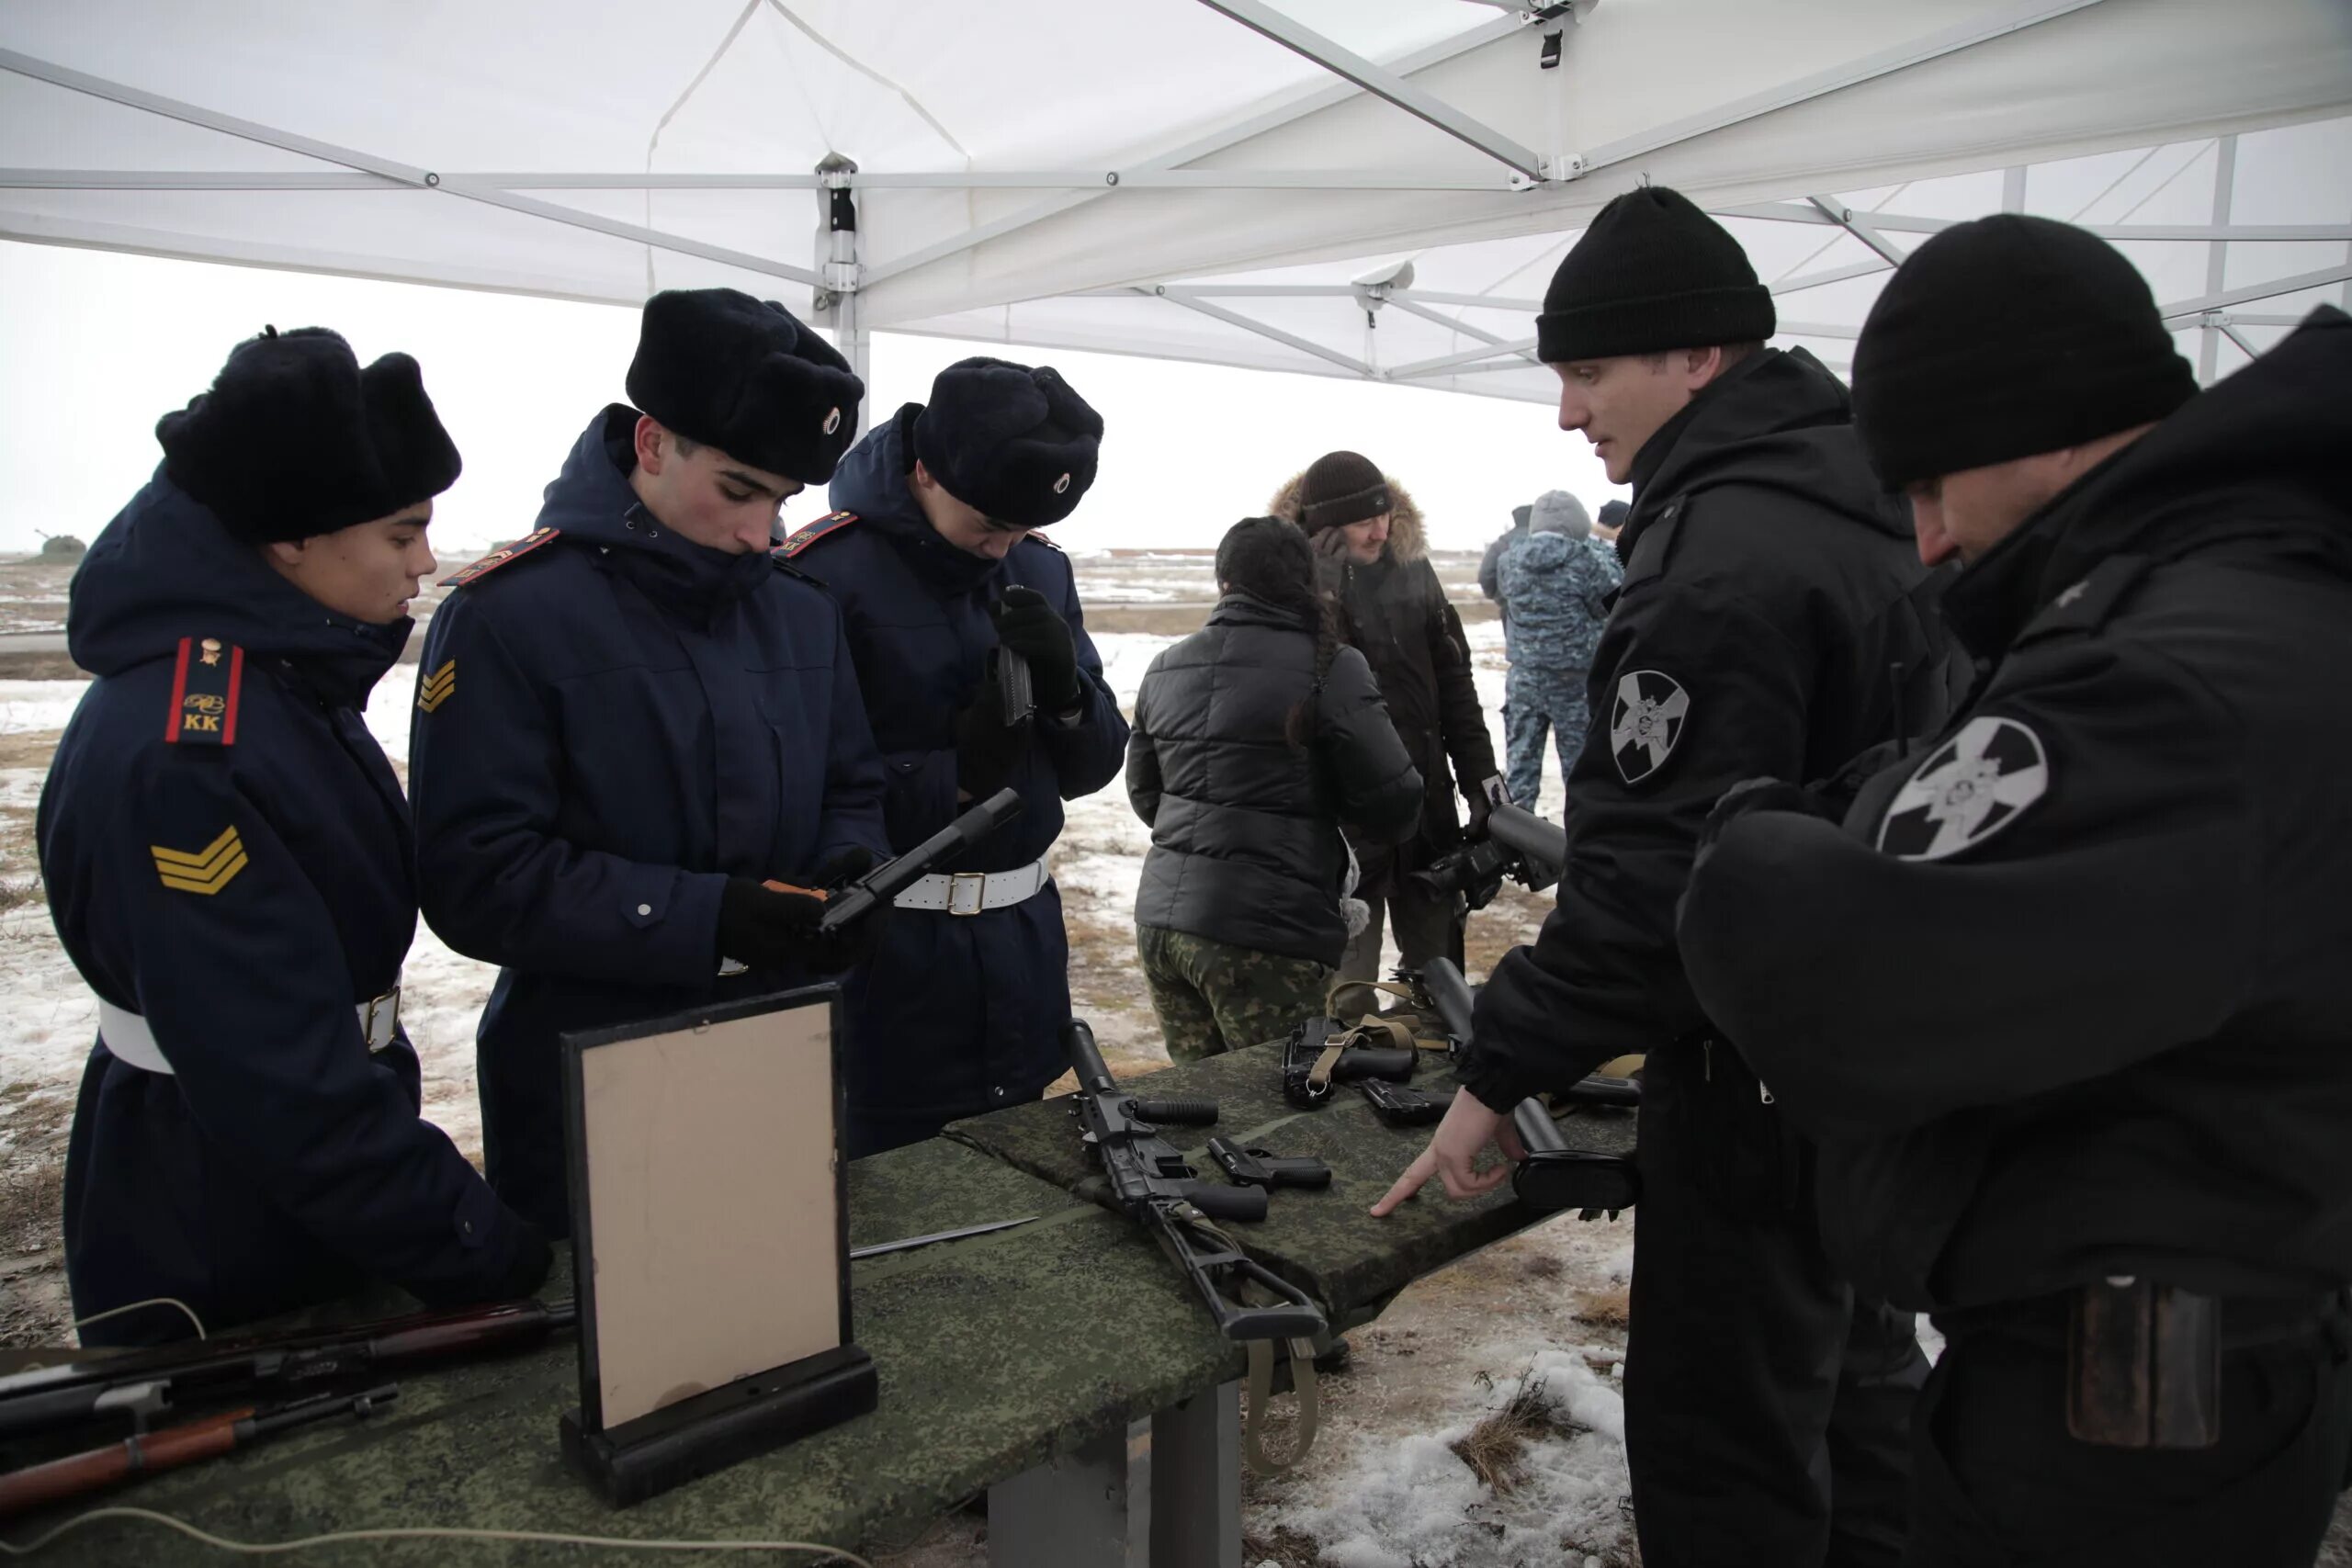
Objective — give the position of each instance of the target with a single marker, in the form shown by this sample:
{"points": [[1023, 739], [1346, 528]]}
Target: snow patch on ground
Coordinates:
{"points": [[30, 707], [1411, 1502]]}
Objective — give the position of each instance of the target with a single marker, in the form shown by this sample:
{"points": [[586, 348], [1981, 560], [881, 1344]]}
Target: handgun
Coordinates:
{"points": [[1263, 1168]]}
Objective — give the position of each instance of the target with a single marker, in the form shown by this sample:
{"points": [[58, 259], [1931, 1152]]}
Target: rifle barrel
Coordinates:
{"points": [[1078, 1041], [1450, 993], [1516, 828]]}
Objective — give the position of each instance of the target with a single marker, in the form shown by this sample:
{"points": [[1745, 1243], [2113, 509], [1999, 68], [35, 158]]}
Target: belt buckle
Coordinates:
{"points": [[387, 1006], [959, 902]]}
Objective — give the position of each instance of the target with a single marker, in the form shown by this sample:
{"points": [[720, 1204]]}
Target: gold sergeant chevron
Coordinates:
{"points": [[435, 688], [207, 870]]}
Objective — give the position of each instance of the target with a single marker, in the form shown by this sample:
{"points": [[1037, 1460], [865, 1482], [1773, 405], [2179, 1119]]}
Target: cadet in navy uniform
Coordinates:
{"points": [[631, 719], [933, 559], [228, 860], [1767, 613], [2071, 1007]]}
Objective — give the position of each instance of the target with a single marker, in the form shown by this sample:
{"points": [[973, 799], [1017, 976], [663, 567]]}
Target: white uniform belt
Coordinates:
{"points": [[127, 1035], [970, 892]]}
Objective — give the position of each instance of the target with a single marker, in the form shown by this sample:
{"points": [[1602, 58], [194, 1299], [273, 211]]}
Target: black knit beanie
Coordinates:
{"points": [[295, 439], [1342, 488], [2080, 351], [1652, 273]]}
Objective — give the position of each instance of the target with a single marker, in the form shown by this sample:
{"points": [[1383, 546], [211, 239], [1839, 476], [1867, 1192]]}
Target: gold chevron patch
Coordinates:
{"points": [[206, 871], [434, 689]]}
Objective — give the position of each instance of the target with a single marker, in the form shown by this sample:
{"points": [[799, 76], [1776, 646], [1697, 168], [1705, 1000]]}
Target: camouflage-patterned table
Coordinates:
{"points": [[1063, 1366], [996, 1355], [1325, 1242]]}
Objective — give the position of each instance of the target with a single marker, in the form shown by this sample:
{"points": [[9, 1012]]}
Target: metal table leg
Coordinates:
{"points": [[1165, 1493]]}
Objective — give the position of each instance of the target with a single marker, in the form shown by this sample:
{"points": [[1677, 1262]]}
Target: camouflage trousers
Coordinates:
{"points": [[1213, 996], [1536, 700]]}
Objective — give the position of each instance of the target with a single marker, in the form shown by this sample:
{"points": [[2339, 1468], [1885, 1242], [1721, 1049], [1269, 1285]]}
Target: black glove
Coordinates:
{"points": [[988, 749], [1031, 629], [1762, 795], [533, 1258], [1481, 800], [770, 927]]}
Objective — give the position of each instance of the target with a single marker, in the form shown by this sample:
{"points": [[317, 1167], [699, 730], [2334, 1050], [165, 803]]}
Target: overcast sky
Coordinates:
{"points": [[95, 347]]}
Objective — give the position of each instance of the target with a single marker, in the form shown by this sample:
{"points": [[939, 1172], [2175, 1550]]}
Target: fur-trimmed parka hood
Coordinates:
{"points": [[1405, 540]]}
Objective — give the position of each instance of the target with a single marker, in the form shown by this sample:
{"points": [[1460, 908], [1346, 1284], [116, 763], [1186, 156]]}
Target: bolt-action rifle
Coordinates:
{"points": [[77, 1475], [136, 1388]]}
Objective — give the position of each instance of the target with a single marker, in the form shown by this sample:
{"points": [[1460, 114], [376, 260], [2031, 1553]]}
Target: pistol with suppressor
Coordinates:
{"points": [[1323, 1052], [894, 876]]}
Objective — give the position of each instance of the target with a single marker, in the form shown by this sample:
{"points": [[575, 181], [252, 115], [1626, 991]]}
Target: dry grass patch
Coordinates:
{"points": [[1496, 1449], [1610, 1308]]}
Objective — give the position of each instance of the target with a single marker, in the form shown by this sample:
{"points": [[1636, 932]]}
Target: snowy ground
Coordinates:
{"points": [[1385, 1486]]}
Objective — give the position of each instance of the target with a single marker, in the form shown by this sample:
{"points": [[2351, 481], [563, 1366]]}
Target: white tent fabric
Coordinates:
{"points": [[1201, 179]]}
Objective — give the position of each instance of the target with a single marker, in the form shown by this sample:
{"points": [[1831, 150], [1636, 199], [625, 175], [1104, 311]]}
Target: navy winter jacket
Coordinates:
{"points": [[242, 886], [955, 1015], [609, 724]]}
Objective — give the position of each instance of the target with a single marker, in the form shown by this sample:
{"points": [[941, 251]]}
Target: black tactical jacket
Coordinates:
{"points": [[2072, 995], [1767, 625], [1245, 827]]}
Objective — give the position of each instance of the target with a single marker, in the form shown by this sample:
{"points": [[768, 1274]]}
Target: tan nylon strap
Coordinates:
{"points": [[1331, 992], [1261, 1392], [1318, 1076]]}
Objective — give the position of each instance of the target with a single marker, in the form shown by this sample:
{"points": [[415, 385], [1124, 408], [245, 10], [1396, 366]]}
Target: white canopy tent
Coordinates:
{"points": [[1370, 188]]}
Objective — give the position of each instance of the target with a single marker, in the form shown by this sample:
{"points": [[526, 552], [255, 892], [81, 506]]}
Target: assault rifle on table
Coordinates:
{"points": [[1155, 1186], [77, 1475], [1519, 844], [1552, 1177], [138, 1386], [894, 876]]}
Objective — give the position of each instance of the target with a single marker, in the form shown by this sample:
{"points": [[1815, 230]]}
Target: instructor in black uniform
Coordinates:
{"points": [[1767, 614], [2075, 1024]]}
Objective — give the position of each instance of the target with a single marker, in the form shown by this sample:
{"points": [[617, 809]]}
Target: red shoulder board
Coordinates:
{"points": [[496, 558], [831, 522], [205, 681]]}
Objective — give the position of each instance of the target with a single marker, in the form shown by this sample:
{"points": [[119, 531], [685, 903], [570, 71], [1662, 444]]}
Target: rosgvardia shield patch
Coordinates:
{"points": [[1646, 721], [1969, 788]]}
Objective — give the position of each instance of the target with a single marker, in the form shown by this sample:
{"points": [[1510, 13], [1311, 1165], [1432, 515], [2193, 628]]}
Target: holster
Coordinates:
{"points": [[2143, 1365]]}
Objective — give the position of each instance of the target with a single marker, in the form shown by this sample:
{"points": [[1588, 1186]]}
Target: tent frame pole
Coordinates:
{"points": [[385, 168]]}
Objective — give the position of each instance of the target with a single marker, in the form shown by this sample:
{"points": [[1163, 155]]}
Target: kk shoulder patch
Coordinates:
{"points": [[496, 558], [1645, 722], [206, 681], [204, 871], [1968, 789], [801, 538], [434, 689]]}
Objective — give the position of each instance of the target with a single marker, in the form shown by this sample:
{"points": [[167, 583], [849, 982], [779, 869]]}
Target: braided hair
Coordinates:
{"points": [[1270, 559]]}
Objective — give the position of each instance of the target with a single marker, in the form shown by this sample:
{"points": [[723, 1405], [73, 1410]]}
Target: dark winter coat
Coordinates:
{"points": [[1768, 598], [1245, 827], [955, 1014], [2099, 1026], [281, 1164], [1396, 612], [609, 726]]}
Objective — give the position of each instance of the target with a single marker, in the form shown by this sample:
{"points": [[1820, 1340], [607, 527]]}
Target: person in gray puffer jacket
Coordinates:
{"points": [[1254, 739], [1554, 584]]}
